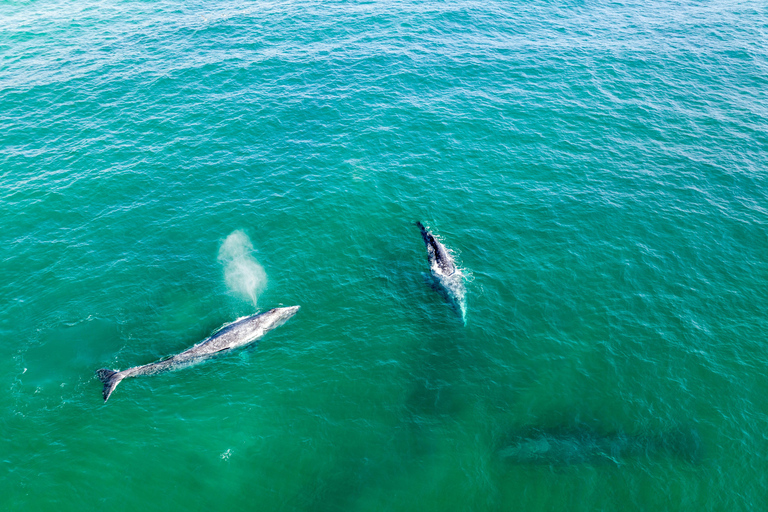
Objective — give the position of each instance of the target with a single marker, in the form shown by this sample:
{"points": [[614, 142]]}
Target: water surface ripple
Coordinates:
{"points": [[597, 167]]}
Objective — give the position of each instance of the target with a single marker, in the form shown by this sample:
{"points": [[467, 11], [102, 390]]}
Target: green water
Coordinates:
{"points": [[597, 169]]}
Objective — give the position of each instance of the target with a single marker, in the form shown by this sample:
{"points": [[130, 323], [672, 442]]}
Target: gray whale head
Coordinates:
{"points": [[277, 316]]}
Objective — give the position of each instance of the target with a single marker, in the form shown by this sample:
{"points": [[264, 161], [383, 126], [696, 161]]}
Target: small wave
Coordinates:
{"points": [[242, 273]]}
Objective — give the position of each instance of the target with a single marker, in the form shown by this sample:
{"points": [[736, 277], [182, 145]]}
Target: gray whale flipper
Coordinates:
{"points": [[237, 334], [446, 274]]}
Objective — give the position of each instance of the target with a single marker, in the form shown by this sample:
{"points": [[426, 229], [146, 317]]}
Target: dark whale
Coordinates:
{"points": [[584, 445], [237, 334], [444, 271]]}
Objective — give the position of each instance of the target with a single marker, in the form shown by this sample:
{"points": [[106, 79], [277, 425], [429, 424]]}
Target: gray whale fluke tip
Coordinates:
{"points": [[111, 379]]}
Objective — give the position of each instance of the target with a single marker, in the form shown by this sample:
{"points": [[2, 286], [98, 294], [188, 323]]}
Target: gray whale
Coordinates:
{"points": [[585, 445], [237, 334], [444, 271]]}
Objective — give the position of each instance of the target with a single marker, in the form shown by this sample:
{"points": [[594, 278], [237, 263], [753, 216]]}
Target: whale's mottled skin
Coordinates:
{"points": [[444, 270], [237, 334]]}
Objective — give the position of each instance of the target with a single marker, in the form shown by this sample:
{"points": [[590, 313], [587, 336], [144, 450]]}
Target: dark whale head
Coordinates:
{"points": [[424, 231], [436, 252]]}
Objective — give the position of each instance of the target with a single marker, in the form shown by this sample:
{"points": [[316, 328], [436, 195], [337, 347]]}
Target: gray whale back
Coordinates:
{"points": [[237, 334]]}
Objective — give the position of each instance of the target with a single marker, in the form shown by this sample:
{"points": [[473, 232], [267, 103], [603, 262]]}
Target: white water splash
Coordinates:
{"points": [[455, 288], [242, 273]]}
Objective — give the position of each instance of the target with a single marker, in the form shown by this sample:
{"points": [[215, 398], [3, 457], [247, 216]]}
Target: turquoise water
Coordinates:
{"points": [[598, 169]]}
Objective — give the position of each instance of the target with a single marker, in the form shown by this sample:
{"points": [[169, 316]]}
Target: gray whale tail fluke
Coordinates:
{"points": [[111, 379]]}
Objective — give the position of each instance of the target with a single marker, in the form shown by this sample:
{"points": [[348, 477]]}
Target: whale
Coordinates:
{"points": [[446, 275], [584, 445], [239, 333]]}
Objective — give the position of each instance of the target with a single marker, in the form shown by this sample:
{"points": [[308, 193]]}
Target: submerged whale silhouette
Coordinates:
{"points": [[584, 445], [444, 271], [237, 334]]}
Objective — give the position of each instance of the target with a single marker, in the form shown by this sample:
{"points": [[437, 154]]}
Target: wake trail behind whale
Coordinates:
{"points": [[242, 273]]}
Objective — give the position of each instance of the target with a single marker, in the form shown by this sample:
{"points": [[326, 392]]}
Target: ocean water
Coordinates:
{"points": [[597, 168]]}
